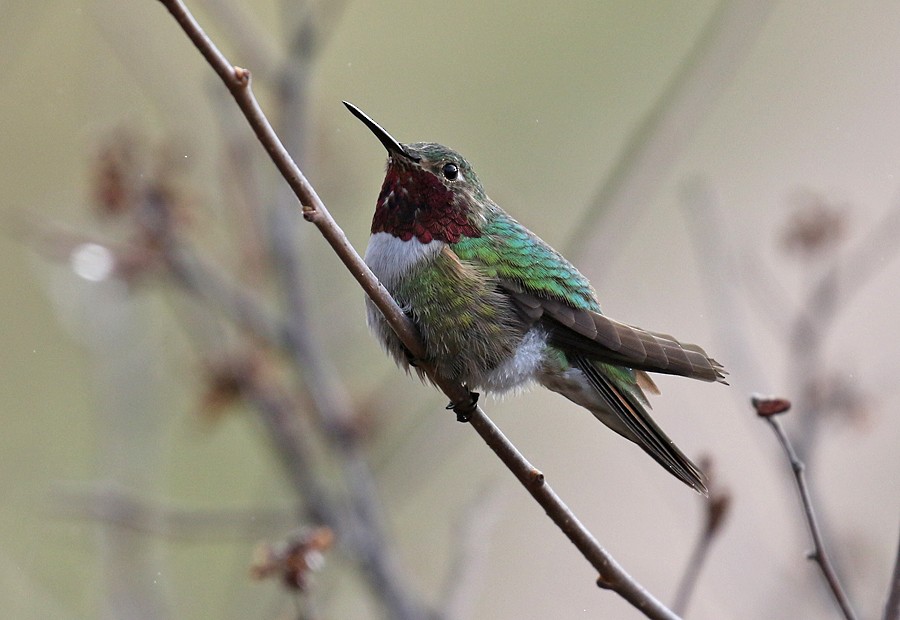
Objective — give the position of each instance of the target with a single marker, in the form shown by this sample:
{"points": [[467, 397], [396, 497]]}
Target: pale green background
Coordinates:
{"points": [[541, 97]]}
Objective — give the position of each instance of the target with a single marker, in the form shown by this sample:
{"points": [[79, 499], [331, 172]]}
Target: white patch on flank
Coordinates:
{"points": [[521, 368], [390, 258]]}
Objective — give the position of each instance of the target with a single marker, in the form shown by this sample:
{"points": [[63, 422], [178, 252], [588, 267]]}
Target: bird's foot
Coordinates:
{"points": [[410, 358], [465, 408]]}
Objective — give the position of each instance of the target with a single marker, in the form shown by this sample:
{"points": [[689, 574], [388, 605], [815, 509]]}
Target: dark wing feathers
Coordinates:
{"points": [[601, 338], [640, 428]]}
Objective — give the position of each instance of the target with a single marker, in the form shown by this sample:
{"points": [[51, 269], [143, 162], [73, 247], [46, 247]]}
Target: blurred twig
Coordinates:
{"points": [[306, 27], [767, 408], [716, 266], [814, 233], [239, 306], [668, 126], [329, 399], [473, 536], [237, 80], [290, 434], [716, 506], [834, 289], [119, 507]]}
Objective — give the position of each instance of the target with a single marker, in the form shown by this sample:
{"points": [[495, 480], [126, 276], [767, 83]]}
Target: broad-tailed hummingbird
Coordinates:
{"points": [[498, 308]]}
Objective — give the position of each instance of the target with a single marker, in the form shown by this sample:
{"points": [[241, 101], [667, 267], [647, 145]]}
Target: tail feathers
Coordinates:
{"points": [[633, 422]]}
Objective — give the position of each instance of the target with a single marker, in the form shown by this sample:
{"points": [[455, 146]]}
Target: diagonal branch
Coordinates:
{"points": [[667, 128], [237, 80], [328, 397], [357, 524]]}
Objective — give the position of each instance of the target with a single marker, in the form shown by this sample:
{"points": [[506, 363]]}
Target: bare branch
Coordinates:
{"points": [[288, 432], [203, 280], [237, 80], [767, 408], [358, 526], [612, 576], [328, 397], [249, 38]]}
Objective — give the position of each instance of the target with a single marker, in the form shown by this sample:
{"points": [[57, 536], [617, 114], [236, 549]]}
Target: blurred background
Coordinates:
{"points": [[189, 389]]}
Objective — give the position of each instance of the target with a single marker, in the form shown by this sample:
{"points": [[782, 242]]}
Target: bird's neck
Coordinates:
{"points": [[415, 204], [390, 257]]}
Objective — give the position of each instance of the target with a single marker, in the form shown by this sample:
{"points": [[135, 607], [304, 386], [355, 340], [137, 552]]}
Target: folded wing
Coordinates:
{"points": [[599, 337]]}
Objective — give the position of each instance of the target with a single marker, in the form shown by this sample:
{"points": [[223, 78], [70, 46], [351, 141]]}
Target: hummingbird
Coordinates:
{"points": [[498, 309]]}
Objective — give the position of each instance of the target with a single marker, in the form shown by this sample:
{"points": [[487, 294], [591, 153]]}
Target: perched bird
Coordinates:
{"points": [[498, 308]]}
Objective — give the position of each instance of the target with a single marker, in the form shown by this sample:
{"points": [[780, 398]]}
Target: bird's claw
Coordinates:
{"points": [[464, 409], [410, 358]]}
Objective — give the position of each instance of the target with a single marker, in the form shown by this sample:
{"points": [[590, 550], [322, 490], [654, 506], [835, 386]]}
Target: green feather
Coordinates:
{"points": [[507, 250]]}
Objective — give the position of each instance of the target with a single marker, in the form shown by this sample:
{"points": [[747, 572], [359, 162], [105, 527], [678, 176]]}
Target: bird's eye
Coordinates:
{"points": [[450, 171]]}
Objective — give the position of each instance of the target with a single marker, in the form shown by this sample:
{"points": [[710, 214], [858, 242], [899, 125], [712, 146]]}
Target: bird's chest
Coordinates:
{"points": [[466, 321], [431, 284], [394, 261]]}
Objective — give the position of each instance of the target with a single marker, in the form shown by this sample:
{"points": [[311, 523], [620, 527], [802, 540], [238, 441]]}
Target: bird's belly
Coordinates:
{"points": [[518, 370]]}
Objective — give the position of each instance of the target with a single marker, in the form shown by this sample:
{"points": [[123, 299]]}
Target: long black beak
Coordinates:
{"points": [[393, 147]]}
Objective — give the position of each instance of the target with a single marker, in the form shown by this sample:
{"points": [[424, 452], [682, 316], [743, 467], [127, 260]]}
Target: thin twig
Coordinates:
{"points": [[692, 572], [716, 507], [465, 579], [117, 506], [200, 278], [290, 435], [668, 126], [892, 606], [365, 535], [707, 229], [768, 408], [612, 576], [359, 530], [837, 286], [237, 80]]}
